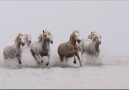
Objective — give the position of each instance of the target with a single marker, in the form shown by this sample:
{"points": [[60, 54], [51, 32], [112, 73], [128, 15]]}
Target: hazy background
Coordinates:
{"points": [[109, 18]]}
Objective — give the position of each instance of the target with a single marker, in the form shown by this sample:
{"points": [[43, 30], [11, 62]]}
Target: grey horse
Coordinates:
{"points": [[15, 50]]}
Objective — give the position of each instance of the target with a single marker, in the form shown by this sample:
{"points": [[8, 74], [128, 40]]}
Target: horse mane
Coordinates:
{"points": [[17, 37], [40, 38], [71, 36], [91, 35], [41, 35]]}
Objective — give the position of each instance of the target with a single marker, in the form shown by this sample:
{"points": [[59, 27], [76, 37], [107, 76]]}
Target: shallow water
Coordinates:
{"points": [[112, 74]]}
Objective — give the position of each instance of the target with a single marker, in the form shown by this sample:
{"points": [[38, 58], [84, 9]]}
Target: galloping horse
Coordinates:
{"points": [[15, 51], [92, 35], [41, 47], [70, 49], [27, 38], [90, 46]]}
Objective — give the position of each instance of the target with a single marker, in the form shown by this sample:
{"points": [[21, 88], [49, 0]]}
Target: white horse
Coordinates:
{"points": [[28, 41], [41, 48], [90, 46], [26, 54], [15, 50]]}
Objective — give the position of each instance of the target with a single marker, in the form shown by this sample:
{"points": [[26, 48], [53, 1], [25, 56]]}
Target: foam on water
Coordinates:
{"points": [[29, 61], [112, 74]]}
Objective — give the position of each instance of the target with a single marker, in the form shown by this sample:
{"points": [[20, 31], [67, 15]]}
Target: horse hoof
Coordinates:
{"points": [[20, 62], [38, 63], [47, 63], [41, 62]]}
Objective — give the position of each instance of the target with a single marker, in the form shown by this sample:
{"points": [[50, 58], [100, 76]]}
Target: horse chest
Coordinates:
{"points": [[71, 51], [44, 52], [17, 50]]}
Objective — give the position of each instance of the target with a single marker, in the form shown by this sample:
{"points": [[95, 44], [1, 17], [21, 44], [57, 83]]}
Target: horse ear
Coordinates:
{"points": [[19, 34]]}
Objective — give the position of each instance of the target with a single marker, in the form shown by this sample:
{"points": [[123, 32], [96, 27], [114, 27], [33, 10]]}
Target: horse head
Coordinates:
{"points": [[27, 38], [20, 39], [92, 35], [97, 38], [76, 36], [48, 36]]}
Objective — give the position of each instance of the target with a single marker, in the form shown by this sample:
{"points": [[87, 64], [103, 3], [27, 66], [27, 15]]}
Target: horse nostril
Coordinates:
{"points": [[78, 41], [51, 42], [30, 41], [23, 44]]}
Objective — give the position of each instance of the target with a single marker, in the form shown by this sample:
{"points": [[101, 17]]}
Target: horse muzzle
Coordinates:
{"points": [[51, 42], [78, 41], [23, 44], [30, 42]]}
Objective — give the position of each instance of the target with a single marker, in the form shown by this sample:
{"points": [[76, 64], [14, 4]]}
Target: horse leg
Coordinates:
{"points": [[19, 58], [61, 57], [65, 61], [74, 60], [78, 58], [82, 55], [33, 54], [5, 57], [48, 60]]}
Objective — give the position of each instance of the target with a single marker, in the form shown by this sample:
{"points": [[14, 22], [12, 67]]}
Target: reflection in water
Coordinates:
{"points": [[113, 72]]}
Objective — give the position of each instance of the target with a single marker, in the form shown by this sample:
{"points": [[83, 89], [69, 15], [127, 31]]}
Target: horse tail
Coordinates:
{"points": [[60, 55], [4, 54]]}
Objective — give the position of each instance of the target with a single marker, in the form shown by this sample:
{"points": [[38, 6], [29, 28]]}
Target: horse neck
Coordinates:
{"points": [[16, 45], [46, 43], [72, 41]]}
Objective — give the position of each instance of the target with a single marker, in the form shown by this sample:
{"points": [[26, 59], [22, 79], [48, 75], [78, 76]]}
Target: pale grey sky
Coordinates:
{"points": [[109, 18]]}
